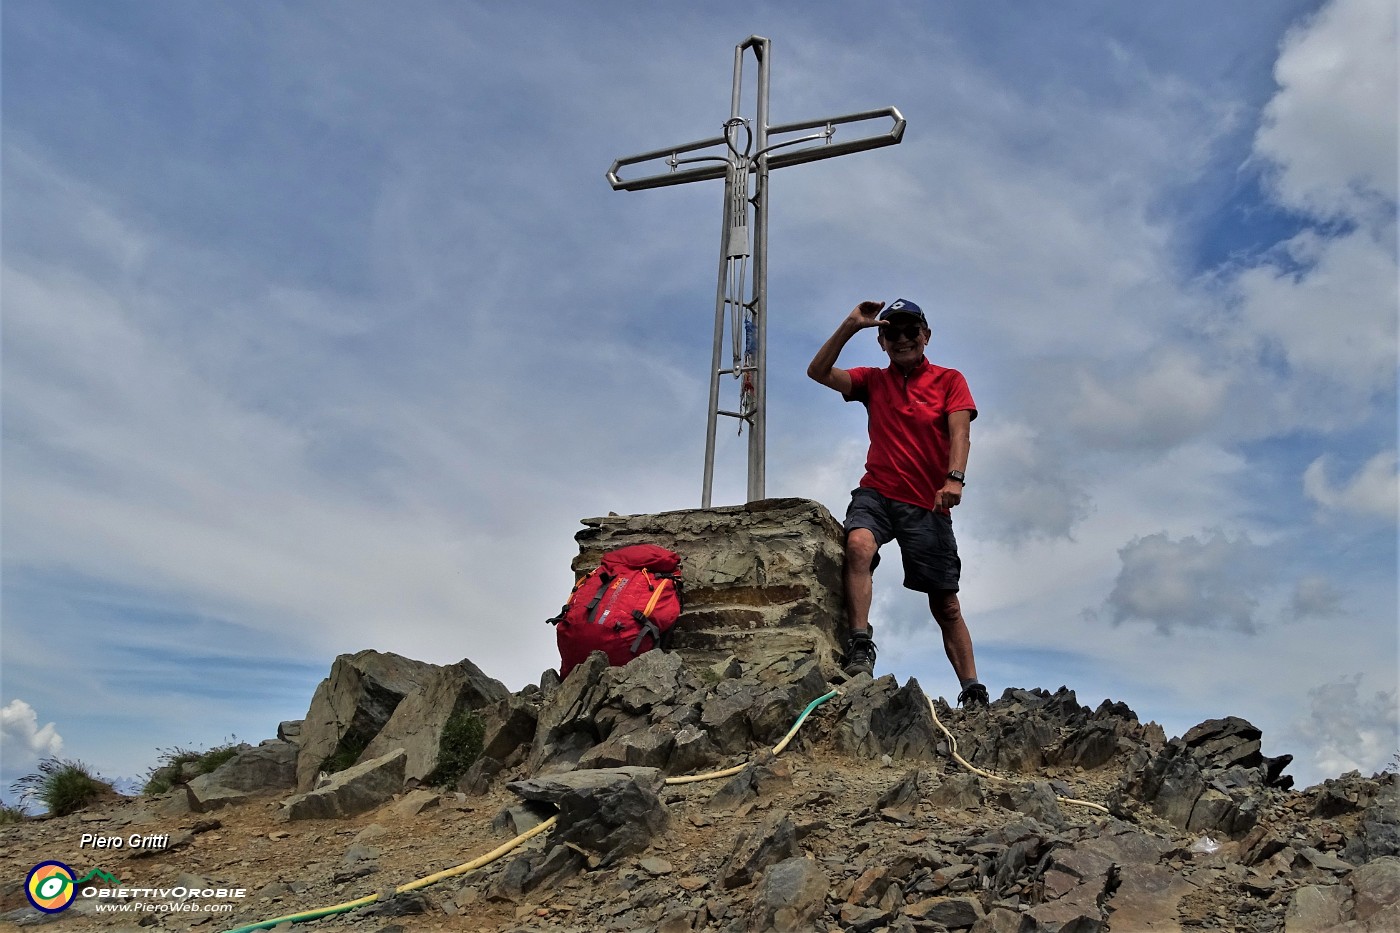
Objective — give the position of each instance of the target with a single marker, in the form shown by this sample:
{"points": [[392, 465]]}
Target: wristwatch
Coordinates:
{"points": [[957, 475]]}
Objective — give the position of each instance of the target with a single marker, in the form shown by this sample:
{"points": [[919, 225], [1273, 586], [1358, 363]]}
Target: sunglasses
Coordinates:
{"points": [[898, 331]]}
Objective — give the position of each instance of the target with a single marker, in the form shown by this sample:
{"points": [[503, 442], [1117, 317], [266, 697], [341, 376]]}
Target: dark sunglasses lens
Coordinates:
{"points": [[906, 332]]}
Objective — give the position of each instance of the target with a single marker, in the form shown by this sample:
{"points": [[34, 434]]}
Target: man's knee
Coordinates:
{"points": [[860, 549], [945, 606]]}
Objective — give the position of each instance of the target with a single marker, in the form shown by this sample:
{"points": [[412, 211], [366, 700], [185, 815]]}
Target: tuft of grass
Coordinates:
{"points": [[179, 765], [9, 814], [63, 787], [459, 747]]}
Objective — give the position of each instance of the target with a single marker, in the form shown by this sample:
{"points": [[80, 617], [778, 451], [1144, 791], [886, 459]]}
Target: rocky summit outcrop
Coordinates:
{"points": [[1069, 818]]}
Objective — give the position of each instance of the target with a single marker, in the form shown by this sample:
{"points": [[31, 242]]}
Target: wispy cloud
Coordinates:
{"points": [[1372, 491]]}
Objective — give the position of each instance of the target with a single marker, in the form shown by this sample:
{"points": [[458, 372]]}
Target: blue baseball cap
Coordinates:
{"points": [[903, 306]]}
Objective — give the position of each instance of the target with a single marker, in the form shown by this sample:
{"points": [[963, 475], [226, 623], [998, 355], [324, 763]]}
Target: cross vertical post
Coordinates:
{"points": [[741, 293]]}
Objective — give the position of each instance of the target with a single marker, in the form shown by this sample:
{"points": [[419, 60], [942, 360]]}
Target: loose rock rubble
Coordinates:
{"points": [[865, 822]]}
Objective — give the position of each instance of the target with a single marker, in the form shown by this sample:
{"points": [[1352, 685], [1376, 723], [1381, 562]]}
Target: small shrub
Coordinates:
{"points": [[460, 746], [215, 757], [9, 814], [63, 787], [346, 754]]}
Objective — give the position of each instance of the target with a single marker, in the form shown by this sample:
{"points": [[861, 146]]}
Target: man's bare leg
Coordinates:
{"points": [[860, 554], [957, 642]]}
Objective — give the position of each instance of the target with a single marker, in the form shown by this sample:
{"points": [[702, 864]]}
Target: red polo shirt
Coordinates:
{"points": [[908, 458]]}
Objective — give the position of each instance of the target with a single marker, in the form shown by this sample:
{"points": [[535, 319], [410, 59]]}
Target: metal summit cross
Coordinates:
{"points": [[739, 304]]}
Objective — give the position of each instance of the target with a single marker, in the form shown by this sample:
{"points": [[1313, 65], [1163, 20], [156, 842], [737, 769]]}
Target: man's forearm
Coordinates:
{"points": [[958, 448], [822, 364]]}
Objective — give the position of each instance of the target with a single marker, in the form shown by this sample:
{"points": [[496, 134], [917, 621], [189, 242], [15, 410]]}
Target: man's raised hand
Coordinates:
{"points": [[864, 314]]}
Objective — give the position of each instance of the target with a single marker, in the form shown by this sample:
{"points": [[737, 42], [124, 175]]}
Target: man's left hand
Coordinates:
{"points": [[950, 495]]}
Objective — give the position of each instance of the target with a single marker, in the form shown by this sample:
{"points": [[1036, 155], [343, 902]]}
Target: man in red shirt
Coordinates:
{"points": [[919, 440]]}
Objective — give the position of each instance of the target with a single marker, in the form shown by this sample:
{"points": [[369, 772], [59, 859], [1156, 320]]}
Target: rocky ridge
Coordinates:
{"points": [[864, 822]]}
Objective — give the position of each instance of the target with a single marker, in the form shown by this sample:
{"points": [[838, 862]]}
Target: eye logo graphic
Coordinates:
{"points": [[50, 887]]}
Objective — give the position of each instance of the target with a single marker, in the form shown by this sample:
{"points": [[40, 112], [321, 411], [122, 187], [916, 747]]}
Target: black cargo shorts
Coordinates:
{"points": [[925, 538]]}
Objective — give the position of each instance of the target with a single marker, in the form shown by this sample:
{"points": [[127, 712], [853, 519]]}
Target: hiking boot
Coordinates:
{"points": [[860, 654], [974, 697]]}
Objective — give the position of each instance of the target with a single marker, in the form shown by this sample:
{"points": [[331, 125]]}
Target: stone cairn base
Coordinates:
{"points": [[761, 580]]}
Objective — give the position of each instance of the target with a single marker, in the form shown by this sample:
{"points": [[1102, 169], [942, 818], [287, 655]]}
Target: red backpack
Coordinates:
{"points": [[621, 608]]}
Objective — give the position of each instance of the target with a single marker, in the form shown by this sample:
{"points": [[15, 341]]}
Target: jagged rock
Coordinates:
{"points": [[725, 716], [1076, 883], [532, 870], [949, 912], [755, 850], [961, 790], [692, 751], [1260, 844], [883, 718], [415, 802], [1147, 898], [1376, 889], [636, 744], [1124, 843], [417, 722], [1092, 746], [750, 783], [352, 704], [1003, 920], [1018, 747], [902, 800], [203, 795], [792, 894], [289, 731], [522, 818], [1316, 909], [1021, 845], [350, 792], [609, 812], [648, 681], [1211, 779], [862, 919], [263, 769], [407, 904], [479, 776], [510, 727], [1378, 834], [1033, 798], [565, 728]]}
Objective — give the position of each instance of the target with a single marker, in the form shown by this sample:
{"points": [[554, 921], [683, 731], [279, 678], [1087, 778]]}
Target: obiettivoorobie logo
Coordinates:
{"points": [[51, 886]]}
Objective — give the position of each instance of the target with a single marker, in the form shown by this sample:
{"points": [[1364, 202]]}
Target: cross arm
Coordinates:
{"points": [[717, 164]]}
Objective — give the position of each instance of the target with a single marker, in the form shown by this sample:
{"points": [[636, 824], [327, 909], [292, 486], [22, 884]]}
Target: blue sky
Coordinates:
{"points": [[311, 314]]}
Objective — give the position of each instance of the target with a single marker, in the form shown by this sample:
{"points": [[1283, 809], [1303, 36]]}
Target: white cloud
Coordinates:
{"points": [[1190, 583], [1032, 493], [1315, 597], [1372, 492], [1169, 399], [1349, 732], [1331, 129], [1327, 310], [24, 740]]}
